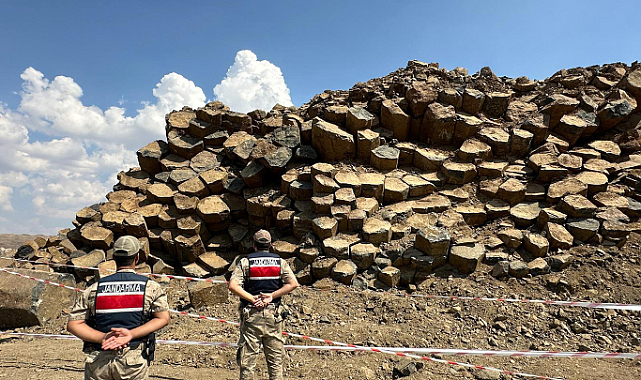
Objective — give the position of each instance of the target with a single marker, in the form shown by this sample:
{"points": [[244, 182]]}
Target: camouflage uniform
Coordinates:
{"points": [[127, 363], [260, 326]]}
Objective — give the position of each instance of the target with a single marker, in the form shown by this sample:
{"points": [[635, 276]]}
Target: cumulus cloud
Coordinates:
{"points": [[5, 198], [59, 155], [54, 108], [44, 181], [252, 84]]}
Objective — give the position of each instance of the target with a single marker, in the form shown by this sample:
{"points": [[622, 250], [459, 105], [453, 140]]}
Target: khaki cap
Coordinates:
{"points": [[262, 237], [126, 246]]}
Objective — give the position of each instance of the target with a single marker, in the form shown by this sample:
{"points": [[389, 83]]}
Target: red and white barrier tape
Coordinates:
{"points": [[184, 312], [414, 350], [584, 304], [41, 280], [317, 348], [337, 346], [502, 353], [345, 345], [204, 317], [170, 276]]}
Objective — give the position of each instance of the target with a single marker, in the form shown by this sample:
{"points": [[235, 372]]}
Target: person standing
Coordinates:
{"points": [[260, 280], [117, 318]]}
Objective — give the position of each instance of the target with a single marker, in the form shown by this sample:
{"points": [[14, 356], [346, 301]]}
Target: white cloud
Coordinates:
{"points": [[54, 107], [5, 198], [252, 84], [44, 182], [80, 148], [15, 179]]}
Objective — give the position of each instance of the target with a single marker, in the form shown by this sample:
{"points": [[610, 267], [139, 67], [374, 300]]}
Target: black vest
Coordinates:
{"points": [[264, 274], [119, 303]]}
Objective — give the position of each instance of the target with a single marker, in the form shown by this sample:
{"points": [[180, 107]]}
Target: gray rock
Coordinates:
{"points": [[24, 302], [277, 160], [207, 294], [406, 370], [466, 258], [306, 153], [501, 269], [558, 262], [433, 241], [288, 137], [518, 269], [583, 229]]}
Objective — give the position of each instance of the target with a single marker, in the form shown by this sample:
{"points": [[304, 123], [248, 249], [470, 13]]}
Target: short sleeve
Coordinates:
{"points": [[83, 304], [238, 275], [156, 297], [286, 273]]}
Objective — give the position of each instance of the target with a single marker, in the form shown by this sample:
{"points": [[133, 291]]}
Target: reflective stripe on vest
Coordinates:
{"points": [[264, 268], [264, 274], [120, 297], [120, 301]]}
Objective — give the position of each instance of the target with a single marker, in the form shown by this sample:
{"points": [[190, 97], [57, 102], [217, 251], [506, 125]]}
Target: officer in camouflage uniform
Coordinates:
{"points": [[260, 280], [117, 318]]}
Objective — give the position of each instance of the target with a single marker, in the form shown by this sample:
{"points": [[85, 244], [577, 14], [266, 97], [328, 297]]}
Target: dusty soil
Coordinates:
{"points": [[387, 319]]}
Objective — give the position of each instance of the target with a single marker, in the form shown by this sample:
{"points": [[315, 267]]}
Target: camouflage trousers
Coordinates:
{"points": [[261, 326], [127, 364]]}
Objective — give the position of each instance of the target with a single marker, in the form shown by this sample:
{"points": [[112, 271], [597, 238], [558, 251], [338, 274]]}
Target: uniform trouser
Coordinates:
{"points": [[126, 364], [260, 326]]}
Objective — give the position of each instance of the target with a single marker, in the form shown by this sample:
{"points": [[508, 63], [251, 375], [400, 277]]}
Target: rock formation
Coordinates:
{"points": [[422, 170]]}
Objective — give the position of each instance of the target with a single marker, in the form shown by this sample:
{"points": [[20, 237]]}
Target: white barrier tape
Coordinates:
{"points": [[502, 353], [584, 304], [41, 280], [183, 312], [294, 335], [170, 276], [316, 348], [204, 317], [425, 351], [56, 336]]}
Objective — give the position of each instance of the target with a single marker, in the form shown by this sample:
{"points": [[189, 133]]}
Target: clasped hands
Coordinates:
{"points": [[118, 338], [262, 300]]}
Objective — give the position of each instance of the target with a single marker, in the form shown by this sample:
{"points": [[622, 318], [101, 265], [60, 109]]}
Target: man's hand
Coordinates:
{"points": [[258, 302], [266, 298], [116, 339], [109, 336]]}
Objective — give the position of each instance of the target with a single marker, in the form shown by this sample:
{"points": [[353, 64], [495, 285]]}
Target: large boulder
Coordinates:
{"points": [[24, 302], [438, 124], [149, 156], [558, 236], [331, 142], [394, 119], [358, 118], [203, 293], [466, 258], [433, 241], [344, 272]]}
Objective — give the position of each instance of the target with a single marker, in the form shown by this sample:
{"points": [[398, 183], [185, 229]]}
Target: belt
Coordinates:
{"points": [[90, 346]]}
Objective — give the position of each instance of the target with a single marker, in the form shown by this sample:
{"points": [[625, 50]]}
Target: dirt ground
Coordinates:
{"points": [[387, 319]]}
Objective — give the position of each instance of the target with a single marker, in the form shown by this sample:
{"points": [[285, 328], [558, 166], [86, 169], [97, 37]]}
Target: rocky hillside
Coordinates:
{"points": [[424, 170], [13, 241]]}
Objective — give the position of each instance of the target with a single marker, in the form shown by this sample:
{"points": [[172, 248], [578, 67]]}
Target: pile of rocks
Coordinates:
{"points": [[425, 169]]}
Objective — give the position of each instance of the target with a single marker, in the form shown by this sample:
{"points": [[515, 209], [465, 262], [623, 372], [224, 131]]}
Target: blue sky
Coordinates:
{"points": [[121, 50]]}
